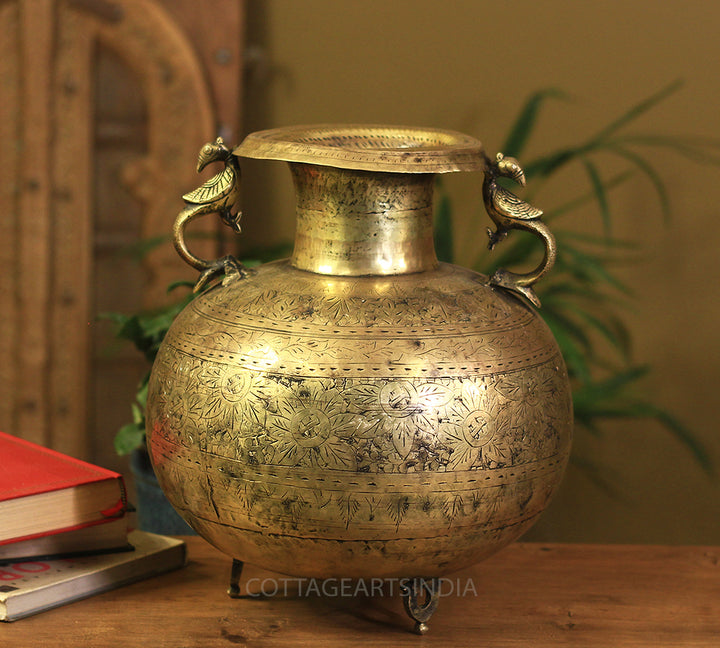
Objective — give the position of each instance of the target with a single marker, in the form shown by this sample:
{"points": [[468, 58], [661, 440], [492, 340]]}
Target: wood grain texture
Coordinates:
{"points": [[217, 33], [35, 219], [72, 237], [76, 174], [527, 595], [9, 199]]}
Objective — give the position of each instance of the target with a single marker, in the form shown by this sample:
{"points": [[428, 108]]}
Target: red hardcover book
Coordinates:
{"points": [[44, 492]]}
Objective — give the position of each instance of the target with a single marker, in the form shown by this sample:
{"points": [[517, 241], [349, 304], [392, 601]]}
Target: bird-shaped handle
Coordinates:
{"points": [[217, 195], [509, 212]]}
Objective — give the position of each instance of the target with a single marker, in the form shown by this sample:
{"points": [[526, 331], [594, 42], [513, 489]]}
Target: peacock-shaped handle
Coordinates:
{"points": [[217, 195], [509, 212]]}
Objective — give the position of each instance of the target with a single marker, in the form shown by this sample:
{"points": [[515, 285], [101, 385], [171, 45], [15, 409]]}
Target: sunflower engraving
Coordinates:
{"points": [[401, 411], [312, 428], [245, 444], [184, 408], [478, 430], [528, 390], [234, 396]]}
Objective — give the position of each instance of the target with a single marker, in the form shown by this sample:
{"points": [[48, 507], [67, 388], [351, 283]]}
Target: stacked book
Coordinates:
{"points": [[64, 531]]}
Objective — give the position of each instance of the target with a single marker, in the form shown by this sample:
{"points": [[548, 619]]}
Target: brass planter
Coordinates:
{"points": [[360, 410]]}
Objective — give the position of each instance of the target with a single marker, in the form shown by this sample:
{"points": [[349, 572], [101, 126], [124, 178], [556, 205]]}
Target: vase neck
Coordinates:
{"points": [[354, 223]]}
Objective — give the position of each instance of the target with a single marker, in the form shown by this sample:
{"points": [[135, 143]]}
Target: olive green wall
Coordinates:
{"points": [[468, 65]]}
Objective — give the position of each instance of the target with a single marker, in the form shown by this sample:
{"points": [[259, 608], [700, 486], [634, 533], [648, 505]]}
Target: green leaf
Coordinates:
{"points": [[598, 475], [570, 327], [132, 330], [652, 175], [703, 150], [583, 199], [142, 248], [600, 195], [693, 444], [138, 414], [557, 290], [563, 235], [142, 391], [518, 248], [526, 119], [128, 438], [595, 392], [574, 357], [589, 267], [552, 162], [116, 318], [638, 110], [622, 332], [616, 338], [180, 284]]}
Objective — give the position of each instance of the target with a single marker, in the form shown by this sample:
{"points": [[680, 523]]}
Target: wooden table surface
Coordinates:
{"points": [[532, 595]]}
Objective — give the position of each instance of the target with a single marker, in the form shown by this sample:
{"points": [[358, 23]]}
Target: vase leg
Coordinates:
{"points": [[235, 573], [421, 599]]}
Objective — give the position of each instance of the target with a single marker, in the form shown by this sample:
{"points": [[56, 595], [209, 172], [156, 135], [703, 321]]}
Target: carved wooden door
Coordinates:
{"points": [[104, 105]]}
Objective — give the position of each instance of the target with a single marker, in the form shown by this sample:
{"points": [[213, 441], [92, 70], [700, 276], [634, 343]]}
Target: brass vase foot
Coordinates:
{"points": [[421, 599], [235, 573]]}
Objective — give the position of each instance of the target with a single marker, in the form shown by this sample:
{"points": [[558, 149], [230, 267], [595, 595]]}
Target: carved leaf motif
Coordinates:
{"points": [[370, 501], [338, 456], [293, 503], [363, 395], [403, 437], [346, 425], [434, 394], [301, 350], [322, 498], [462, 457], [214, 406], [339, 308], [495, 454], [376, 350], [397, 508], [452, 507], [288, 454], [367, 426], [263, 298], [471, 394], [348, 507]]}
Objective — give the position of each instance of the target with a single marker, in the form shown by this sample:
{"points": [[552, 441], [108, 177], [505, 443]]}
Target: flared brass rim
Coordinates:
{"points": [[399, 149]]}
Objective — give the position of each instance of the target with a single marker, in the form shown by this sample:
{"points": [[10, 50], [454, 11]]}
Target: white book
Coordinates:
{"points": [[30, 587]]}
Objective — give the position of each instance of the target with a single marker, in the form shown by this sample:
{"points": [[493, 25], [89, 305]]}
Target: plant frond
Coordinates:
{"points": [[648, 170], [703, 150], [527, 117], [638, 110], [598, 187]]}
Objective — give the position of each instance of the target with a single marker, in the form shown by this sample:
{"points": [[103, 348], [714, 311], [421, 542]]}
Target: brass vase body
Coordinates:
{"points": [[359, 409]]}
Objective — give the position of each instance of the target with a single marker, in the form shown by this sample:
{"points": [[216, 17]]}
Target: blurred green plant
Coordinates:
{"points": [[145, 331], [583, 301]]}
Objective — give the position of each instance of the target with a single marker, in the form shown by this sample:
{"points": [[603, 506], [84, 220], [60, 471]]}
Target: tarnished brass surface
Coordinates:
{"points": [[325, 417], [509, 212], [362, 223], [217, 195], [390, 149]]}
